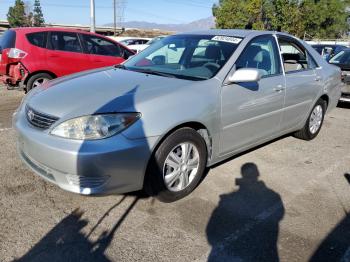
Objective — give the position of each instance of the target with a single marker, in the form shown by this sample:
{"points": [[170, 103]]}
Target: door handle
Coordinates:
{"points": [[318, 78], [279, 88]]}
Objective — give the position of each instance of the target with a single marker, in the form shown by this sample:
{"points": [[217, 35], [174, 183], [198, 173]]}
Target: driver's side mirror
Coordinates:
{"points": [[245, 75]]}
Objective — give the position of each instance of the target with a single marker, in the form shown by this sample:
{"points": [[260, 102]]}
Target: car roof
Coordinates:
{"points": [[45, 29], [235, 32]]}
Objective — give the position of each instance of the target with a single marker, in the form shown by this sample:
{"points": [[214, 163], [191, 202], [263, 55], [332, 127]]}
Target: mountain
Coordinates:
{"points": [[201, 24]]}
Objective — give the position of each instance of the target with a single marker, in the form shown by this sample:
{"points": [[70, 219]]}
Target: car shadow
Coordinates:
{"points": [[68, 242], [343, 105], [245, 224]]}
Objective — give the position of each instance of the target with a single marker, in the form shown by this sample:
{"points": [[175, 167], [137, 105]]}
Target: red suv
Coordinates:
{"points": [[31, 56]]}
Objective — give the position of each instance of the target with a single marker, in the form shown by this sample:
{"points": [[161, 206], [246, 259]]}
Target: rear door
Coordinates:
{"points": [[302, 81], [101, 51], [65, 55]]}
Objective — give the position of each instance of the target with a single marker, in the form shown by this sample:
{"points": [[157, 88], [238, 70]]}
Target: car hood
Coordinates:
{"points": [[101, 91]]}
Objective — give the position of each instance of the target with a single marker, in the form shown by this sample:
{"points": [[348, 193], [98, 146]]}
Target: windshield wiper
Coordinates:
{"points": [[151, 72]]}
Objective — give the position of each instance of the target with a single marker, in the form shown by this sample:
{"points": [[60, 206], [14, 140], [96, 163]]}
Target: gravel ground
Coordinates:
{"points": [[287, 200]]}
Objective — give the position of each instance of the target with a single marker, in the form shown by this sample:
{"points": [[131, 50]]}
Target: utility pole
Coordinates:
{"points": [[92, 16], [115, 16]]}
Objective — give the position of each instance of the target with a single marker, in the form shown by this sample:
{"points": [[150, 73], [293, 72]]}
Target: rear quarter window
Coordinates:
{"points": [[8, 40], [38, 39]]}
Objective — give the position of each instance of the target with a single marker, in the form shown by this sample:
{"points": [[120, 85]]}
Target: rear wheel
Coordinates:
{"points": [[177, 166], [37, 80], [314, 122]]}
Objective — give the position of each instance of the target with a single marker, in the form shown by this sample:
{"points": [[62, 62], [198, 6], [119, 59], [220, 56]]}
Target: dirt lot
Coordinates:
{"points": [[288, 200]]}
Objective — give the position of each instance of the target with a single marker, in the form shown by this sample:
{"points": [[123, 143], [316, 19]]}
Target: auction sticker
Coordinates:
{"points": [[228, 39]]}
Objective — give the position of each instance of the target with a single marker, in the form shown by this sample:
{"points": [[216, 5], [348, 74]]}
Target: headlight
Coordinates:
{"points": [[95, 126]]}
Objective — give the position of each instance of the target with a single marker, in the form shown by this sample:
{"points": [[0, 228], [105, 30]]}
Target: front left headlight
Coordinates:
{"points": [[95, 126]]}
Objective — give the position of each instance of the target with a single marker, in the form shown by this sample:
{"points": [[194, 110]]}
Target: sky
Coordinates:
{"points": [[158, 11]]}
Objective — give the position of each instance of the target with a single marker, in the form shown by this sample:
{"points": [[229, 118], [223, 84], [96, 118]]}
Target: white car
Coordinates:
{"points": [[126, 41], [139, 48]]}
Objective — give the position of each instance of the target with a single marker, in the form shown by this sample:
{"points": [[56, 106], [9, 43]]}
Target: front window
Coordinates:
{"points": [[98, 46], [193, 57]]}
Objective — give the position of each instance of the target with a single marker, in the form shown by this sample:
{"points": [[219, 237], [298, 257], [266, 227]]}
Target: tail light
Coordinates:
{"points": [[12, 55], [15, 53]]}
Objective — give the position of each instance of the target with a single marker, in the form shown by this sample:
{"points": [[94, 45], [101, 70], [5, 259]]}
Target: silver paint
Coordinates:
{"points": [[235, 118]]}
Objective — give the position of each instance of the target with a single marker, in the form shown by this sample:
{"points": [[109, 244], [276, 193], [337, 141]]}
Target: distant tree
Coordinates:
{"points": [[38, 17], [319, 18], [287, 16], [231, 14], [325, 18], [16, 15]]}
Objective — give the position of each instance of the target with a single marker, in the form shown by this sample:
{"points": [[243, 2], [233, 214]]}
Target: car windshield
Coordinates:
{"points": [[343, 57], [193, 57]]}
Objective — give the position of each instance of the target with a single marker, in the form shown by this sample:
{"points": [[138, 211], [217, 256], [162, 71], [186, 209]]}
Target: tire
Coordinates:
{"points": [[32, 81], [307, 132], [160, 181]]}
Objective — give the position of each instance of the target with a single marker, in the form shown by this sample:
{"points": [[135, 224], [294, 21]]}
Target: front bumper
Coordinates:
{"points": [[113, 165]]}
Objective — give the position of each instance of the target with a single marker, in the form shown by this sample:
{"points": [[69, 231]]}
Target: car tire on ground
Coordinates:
{"points": [[314, 122], [36, 80], [177, 166]]}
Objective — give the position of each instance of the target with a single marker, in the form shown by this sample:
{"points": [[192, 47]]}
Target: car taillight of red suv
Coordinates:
{"points": [[31, 56]]}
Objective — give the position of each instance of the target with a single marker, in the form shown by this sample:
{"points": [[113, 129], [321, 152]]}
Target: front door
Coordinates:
{"points": [[252, 111]]}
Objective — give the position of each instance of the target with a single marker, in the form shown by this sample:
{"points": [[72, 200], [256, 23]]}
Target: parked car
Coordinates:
{"points": [[134, 41], [342, 60], [328, 51], [157, 122], [31, 56], [137, 48]]}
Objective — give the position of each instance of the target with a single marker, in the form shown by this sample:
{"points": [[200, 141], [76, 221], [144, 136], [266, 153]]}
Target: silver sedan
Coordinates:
{"points": [[184, 104]]}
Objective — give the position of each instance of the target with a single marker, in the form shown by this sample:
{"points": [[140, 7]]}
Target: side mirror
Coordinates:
{"points": [[245, 75]]}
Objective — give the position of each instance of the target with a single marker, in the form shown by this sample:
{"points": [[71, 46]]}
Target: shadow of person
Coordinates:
{"points": [[68, 242], [65, 242], [245, 224], [336, 246]]}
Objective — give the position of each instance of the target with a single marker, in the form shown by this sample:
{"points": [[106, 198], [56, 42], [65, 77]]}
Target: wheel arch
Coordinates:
{"points": [[39, 72], [199, 127]]}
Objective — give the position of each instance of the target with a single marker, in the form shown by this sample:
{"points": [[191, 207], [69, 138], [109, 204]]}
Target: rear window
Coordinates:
{"points": [[65, 41], [8, 40], [38, 39]]}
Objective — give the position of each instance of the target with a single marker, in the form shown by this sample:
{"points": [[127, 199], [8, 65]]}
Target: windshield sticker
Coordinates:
{"points": [[228, 39]]}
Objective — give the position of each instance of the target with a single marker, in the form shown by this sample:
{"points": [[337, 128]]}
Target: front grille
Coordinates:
{"points": [[38, 119]]}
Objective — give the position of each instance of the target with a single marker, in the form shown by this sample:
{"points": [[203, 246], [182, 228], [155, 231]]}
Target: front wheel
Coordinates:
{"points": [[314, 122], [177, 165]]}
